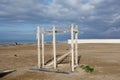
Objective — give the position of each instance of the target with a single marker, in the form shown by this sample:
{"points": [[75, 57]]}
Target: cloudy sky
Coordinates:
{"points": [[96, 18]]}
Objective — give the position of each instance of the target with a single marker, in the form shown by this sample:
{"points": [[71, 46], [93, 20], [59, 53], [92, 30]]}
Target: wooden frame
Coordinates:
{"points": [[73, 51]]}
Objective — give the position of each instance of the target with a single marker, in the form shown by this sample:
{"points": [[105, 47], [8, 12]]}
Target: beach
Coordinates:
{"points": [[104, 58]]}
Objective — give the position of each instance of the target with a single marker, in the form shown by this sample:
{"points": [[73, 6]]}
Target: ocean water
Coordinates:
{"points": [[48, 38], [10, 42], [7, 42]]}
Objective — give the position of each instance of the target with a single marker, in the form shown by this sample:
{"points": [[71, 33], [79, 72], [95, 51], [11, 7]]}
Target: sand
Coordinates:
{"points": [[104, 58]]}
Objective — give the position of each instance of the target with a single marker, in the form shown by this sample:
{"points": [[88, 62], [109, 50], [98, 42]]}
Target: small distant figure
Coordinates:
{"points": [[16, 43]]}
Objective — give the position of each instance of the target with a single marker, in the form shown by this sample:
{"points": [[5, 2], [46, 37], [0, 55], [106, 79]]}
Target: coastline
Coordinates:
{"points": [[21, 42]]}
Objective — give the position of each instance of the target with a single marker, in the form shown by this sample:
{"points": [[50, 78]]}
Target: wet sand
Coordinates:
{"points": [[104, 58]]}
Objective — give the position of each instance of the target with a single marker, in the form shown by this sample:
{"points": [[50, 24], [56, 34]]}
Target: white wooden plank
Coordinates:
{"points": [[80, 41], [43, 48], [72, 47], [59, 58], [76, 46], [38, 46], [54, 47]]}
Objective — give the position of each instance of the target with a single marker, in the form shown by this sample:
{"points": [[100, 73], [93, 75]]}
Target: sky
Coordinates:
{"points": [[95, 18]]}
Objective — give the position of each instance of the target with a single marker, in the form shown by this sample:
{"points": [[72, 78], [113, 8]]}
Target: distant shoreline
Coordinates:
{"points": [[7, 43], [11, 42]]}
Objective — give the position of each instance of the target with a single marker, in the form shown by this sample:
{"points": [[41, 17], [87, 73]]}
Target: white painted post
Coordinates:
{"points": [[72, 47], [76, 46], [43, 48], [38, 43], [54, 47]]}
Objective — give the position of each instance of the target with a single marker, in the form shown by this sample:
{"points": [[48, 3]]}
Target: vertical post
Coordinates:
{"points": [[38, 43], [43, 48], [72, 47], [54, 47], [76, 45]]}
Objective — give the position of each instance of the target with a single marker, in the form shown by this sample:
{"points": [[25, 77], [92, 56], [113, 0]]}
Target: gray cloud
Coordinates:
{"points": [[94, 16], [57, 10]]}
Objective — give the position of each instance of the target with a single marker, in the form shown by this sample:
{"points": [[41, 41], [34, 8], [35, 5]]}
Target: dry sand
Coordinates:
{"points": [[105, 58]]}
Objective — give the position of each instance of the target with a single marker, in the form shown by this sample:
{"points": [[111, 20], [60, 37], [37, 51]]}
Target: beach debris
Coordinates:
{"points": [[3, 73], [67, 49], [87, 68], [15, 55]]}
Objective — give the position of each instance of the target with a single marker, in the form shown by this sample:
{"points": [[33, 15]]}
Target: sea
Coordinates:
{"points": [[12, 42], [9, 42], [32, 40]]}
